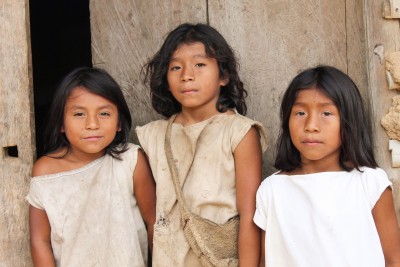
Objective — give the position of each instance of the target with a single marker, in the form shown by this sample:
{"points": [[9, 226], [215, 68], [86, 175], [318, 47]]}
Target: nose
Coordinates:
{"points": [[187, 74], [312, 123], [92, 122]]}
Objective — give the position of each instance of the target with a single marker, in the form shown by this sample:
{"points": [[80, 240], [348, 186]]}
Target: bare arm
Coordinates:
{"points": [[145, 193], [248, 162], [39, 227], [262, 256], [386, 224]]}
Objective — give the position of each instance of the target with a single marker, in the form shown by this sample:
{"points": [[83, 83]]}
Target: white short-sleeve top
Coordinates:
{"points": [[321, 219]]}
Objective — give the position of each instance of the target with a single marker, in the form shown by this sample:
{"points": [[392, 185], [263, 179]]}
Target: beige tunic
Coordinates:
{"points": [[209, 188], [93, 214]]}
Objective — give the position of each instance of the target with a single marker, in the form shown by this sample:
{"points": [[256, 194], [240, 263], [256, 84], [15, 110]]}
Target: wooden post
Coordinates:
{"points": [[16, 132]]}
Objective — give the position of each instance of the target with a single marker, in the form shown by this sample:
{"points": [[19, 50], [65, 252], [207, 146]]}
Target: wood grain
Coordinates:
{"points": [[16, 129], [125, 34], [274, 40]]}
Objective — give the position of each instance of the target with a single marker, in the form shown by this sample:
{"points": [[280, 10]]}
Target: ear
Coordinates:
{"points": [[62, 129], [224, 80], [119, 127]]}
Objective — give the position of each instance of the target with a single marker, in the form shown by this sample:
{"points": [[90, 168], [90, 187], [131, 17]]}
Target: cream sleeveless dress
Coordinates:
{"points": [[209, 187], [93, 214]]}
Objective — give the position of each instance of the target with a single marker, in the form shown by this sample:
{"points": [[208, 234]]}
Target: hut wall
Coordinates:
{"points": [[274, 40]]}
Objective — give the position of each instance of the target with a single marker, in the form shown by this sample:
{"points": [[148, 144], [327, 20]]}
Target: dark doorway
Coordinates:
{"points": [[60, 40]]}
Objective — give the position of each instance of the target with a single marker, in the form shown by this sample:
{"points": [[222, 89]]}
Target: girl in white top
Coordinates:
{"points": [[89, 190], [194, 75], [329, 205]]}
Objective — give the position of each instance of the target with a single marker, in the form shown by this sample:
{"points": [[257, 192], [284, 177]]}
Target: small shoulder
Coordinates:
{"points": [[46, 165], [374, 182], [243, 121], [267, 186], [130, 149], [373, 177], [241, 118], [270, 179], [373, 172], [242, 124], [50, 163], [148, 133], [152, 125]]}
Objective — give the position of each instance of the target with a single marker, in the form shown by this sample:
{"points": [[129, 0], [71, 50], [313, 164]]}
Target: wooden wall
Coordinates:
{"points": [[16, 129], [274, 40]]}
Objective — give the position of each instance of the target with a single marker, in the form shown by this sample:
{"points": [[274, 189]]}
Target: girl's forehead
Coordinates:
{"points": [[84, 97], [78, 94], [189, 49], [77, 91], [313, 92], [313, 95]]}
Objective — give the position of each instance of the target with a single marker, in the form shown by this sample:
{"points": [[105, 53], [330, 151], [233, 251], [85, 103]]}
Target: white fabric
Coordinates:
{"points": [[93, 214], [321, 219]]}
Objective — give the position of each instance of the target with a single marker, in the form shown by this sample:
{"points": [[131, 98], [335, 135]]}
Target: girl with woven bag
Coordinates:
{"points": [[206, 157]]}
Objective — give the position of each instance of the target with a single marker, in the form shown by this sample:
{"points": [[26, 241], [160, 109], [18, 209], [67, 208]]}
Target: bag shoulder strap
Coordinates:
{"points": [[172, 166]]}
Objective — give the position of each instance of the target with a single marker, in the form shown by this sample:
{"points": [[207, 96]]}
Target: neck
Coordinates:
{"points": [[83, 158], [314, 167], [190, 116]]}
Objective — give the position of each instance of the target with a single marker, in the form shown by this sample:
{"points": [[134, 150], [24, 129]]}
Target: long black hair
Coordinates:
{"points": [[355, 127], [98, 82], [232, 95]]}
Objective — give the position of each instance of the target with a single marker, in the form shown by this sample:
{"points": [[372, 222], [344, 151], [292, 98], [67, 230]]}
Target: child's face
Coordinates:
{"points": [[90, 123], [194, 78], [314, 125]]}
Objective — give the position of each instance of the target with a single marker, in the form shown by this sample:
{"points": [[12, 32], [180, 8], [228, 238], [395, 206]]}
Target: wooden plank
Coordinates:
{"points": [[274, 40], [383, 37], [16, 129], [125, 34], [356, 46]]}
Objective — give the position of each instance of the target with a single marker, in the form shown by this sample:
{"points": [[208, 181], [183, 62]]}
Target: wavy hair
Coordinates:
{"points": [[355, 127], [232, 95], [98, 82]]}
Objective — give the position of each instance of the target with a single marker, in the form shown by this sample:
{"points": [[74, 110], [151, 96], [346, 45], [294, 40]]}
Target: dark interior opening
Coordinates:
{"points": [[60, 40], [11, 151]]}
